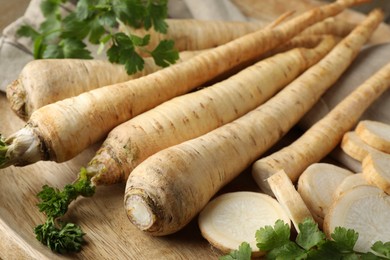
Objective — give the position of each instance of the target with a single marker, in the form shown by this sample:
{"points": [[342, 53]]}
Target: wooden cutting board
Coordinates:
{"points": [[109, 233]]}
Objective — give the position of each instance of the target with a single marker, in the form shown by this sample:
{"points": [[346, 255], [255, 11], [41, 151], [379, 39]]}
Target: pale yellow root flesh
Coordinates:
{"points": [[376, 170], [233, 218], [375, 134], [348, 183], [289, 198], [317, 185], [365, 209], [355, 147]]}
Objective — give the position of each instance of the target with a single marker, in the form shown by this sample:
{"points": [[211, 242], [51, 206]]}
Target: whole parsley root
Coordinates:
{"points": [[161, 188], [310, 243], [45, 81], [61, 130]]}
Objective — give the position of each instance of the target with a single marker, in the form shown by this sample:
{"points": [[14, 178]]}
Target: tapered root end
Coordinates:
{"points": [[139, 210], [16, 95]]}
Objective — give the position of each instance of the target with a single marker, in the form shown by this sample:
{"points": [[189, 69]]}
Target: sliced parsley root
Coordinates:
{"points": [[365, 209], [234, 217], [59, 236]]}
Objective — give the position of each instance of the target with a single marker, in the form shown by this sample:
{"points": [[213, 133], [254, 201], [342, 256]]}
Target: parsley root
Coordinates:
{"points": [[61, 130], [168, 189], [46, 81]]}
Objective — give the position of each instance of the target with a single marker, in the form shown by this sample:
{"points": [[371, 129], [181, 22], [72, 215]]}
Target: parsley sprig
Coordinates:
{"points": [[59, 236], [310, 243], [96, 21]]}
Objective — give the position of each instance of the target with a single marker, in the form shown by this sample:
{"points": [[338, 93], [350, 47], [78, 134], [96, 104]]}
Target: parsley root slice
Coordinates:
{"points": [[289, 198], [233, 218], [348, 183], [355, 147], [67, 127], [165, 191], [191, 115], [365, 209], [375, 134], [46, 81], [319, 140], [376, 170], [317, 185]]}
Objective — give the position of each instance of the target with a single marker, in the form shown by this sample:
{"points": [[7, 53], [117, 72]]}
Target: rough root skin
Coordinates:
{"points": [[16, 95]]}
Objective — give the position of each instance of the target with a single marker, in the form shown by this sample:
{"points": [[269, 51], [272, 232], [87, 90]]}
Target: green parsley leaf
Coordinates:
{"points": [[49, 7], [65, 238], [309, 235], [165, 54], [244, 252], [345, 239], [157, 15], [269, 237], [27, 31], [74, 28], [287, 251], [382, 248], [54, 203], [122, 51]]}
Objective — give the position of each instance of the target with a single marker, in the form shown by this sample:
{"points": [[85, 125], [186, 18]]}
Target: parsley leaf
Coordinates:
{"points": [[243, 253], [382, 249], [272, 237], [345, 239], [165, 54], [62, 238], [309, 235]]}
